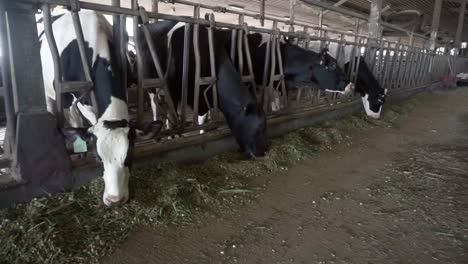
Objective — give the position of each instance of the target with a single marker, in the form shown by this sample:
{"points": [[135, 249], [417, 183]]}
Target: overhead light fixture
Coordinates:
{"points": [[236, 7], [324, 25], [350, 31]]}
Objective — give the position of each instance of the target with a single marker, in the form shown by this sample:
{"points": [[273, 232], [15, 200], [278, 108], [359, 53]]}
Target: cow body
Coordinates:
{"points": [[372, 93], [300, 66], [239, 106], [108, 125]]}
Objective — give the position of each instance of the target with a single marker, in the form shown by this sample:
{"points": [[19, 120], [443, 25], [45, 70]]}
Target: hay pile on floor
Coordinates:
{"points": [[74, 227]]}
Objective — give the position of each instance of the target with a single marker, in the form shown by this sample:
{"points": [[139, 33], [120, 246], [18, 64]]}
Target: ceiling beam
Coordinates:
{"points": [[336, 4]]}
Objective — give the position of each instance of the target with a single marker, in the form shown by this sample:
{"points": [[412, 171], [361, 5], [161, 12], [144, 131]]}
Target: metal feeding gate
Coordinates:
{"points": [[35, 160]]}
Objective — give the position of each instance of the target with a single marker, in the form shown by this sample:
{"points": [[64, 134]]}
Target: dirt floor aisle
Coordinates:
{"points": [[392, 195]]}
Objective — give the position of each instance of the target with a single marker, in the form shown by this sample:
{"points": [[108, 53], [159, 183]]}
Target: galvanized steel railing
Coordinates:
{"points": [[396, 66]]}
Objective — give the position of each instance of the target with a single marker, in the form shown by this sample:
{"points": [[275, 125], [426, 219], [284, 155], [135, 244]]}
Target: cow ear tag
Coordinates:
{"points": [[79, 145]]}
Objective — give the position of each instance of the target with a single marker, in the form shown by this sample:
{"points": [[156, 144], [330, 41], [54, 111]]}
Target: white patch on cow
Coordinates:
{"points": [[112, 146], [153, 106], [96, 32], [348, 89], [169, 34], [201, 121], [369, 112]]}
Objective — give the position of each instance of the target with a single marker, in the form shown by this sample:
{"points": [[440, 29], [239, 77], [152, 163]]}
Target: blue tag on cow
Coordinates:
{"points": [[79, 145]]}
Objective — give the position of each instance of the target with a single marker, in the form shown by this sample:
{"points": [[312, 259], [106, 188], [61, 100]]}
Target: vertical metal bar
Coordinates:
{"points": [[233, 45], [83, 56], [262, 13], [249, 60], [185, 74], [461, 18], [116, 25], [123, 45], [273, 64], [10, 134], [307, 38], [374, 19], [320, 32], [266, 71], [214, 90], [281, 73], [292, 4], [154, 9], [196, 49], [56, 59], [240, 55], [435, 24], [136, 39]]}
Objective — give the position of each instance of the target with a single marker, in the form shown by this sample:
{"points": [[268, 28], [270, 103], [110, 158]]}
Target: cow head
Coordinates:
{"points": [[113, 141], [328, 75], [373, 102], [249, 130]]}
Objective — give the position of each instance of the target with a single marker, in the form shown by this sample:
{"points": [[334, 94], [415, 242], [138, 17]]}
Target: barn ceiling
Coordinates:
{"points": [[411, 14]]}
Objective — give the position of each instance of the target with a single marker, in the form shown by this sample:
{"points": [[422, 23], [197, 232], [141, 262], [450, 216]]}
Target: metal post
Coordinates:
{"points": [[292, 4], [40, 158], [375, 30], [185, 74], [10, 134], [435, 24], [140, 91], [155, 9], [461, 17], [262, 13]]}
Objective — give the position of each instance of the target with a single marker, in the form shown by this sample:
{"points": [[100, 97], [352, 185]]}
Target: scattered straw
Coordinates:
{"points": [[74, 227]]}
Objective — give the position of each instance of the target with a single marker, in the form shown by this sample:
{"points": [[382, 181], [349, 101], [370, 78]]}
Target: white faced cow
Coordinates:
{"points": [[372, 94], [109, 126]]}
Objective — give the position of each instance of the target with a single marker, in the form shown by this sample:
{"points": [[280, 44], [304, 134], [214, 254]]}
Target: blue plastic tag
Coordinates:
{"points": [[79, 145]]}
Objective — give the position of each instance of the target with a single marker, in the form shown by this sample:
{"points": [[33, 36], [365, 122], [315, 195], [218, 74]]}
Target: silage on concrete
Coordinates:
{"points": [[74, 227]]}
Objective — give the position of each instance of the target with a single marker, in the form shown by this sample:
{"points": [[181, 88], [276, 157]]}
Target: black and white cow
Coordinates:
{"points": [[300, 66], [372, 94], [244, 115], [109, 127]]}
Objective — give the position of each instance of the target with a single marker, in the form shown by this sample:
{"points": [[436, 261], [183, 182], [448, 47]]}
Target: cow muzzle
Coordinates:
{"points": [[114, 200]]}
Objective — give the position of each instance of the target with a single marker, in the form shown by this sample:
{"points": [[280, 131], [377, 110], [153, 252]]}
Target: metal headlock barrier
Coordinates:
{"points": [[38, 161]]}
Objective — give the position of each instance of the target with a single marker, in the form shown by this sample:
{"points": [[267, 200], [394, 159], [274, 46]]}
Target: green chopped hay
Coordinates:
{"points": [[74, 227]]}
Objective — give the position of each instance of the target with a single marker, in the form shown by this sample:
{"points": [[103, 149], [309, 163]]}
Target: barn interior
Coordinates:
{"points": [[410, 47]]}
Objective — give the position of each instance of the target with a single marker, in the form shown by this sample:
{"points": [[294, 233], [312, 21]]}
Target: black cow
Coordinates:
{"points": [[243, 114], [300, 66], [372, 94], [110, 129]]}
